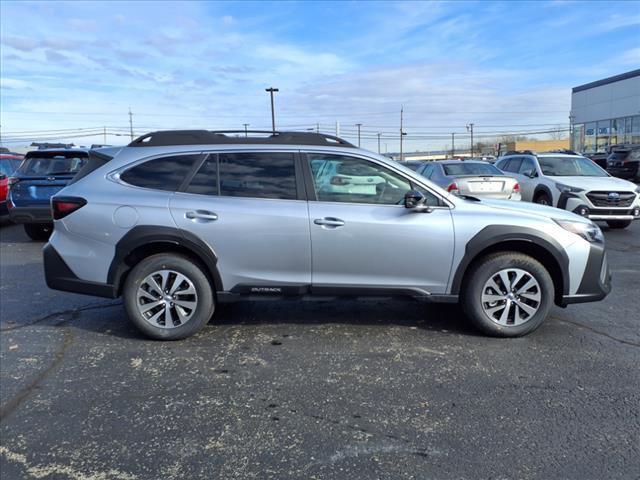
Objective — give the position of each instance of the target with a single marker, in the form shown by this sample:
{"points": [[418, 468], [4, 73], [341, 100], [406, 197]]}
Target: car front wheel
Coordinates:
{"points": [[542, 199], [507, 294], [168, 297]]}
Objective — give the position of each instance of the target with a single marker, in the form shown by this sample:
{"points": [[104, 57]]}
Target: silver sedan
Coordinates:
{"points": [[474, 178]]}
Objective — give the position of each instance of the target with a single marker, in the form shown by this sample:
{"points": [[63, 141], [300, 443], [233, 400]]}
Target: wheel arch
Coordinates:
{"points": [[143, 241], [542, 189], [536, 244]]}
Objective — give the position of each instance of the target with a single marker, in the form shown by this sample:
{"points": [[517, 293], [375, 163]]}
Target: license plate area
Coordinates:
{"points": [[486, 187]]}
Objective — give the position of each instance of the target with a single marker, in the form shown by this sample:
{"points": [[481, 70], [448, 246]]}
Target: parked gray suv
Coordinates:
{"points": [[179, 222]]}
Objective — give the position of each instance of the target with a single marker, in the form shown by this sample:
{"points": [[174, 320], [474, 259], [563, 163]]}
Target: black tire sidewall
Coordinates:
{"points": [[542, 195], [181, 264], [487, 267], [38, 231]]}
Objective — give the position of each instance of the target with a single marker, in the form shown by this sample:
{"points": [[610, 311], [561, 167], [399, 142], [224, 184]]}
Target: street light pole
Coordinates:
{"points": [[272, 90], [470, 129], [131, 123], [358, 125], [453, 144], [401, 132], [379, 141], [245, 125]]}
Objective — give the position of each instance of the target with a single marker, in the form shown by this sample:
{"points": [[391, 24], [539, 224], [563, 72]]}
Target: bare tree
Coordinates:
{"points": [[558, 133]]}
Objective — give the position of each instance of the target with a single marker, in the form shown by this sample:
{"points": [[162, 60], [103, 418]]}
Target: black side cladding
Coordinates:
{"points": [[96, 160]]}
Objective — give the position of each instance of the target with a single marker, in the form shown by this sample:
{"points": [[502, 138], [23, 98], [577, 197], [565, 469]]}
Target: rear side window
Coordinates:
{"points": [[257, 175], [205, 181], [513, 165], [166, 173]]}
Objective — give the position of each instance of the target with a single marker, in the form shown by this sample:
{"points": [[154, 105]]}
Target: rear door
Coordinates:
{"points": [[368, 239], [250, 208], [527, 184]]}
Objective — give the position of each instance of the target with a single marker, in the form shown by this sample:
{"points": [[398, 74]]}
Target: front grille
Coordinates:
{"points": [[611, 199]]}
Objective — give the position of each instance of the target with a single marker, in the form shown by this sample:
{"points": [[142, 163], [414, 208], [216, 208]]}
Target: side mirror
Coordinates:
{"points": [[415, 201], [532, 173]]}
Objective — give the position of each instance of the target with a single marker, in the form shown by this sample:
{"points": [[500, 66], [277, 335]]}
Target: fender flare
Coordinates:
{"points": [[147, 235], [496, 234]]}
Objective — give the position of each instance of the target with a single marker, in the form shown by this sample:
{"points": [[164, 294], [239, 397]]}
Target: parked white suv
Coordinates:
{"points": [[575, 183]]}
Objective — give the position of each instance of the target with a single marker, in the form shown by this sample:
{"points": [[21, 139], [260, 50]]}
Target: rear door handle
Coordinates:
{"points": [[329, 222], [202, 215]]}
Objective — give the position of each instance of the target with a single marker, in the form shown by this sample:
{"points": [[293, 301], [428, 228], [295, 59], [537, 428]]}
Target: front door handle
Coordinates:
{"points": [[205, 215], [329, 222]]}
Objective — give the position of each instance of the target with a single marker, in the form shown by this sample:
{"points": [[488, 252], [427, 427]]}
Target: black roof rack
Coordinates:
{"points": [[562, 150], [221, 137], [518, 152]]}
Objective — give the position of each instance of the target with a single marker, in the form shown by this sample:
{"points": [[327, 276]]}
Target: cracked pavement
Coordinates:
{"points": [[315, 390]]}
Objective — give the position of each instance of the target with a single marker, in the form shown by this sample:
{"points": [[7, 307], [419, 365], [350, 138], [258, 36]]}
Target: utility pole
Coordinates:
{"points": [[317, 128], [453, 144], [272, 90], [245, 125], [104, 132], [470, 129], [131, 123], [337, 129], [379, 141], [358, 125], [402, 133]]}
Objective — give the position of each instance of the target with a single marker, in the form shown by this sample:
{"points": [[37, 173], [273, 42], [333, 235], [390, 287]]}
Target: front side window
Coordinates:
{"points": [[527, 166], [339, 178], [513, 165], [166, 173], [570, 167], [257, 175]]}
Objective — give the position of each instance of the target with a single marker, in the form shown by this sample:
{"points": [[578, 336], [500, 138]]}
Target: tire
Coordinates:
{"points": [[618, 223], [40, 232], [139, 294], [476, 285], [542, 199]]}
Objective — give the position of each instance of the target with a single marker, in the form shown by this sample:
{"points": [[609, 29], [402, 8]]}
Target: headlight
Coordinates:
{"points": [[589, 231], [567, 189], [638, 189]]}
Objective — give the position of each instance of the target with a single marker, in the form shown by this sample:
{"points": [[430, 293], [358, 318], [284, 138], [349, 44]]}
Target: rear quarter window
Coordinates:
{"points": [[165, 173]]}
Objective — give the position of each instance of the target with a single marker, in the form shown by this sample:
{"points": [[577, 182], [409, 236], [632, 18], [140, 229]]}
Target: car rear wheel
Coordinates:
{"points": [[542, 199], [168, 297], [618, 223], [507, 294], [40, 232]]}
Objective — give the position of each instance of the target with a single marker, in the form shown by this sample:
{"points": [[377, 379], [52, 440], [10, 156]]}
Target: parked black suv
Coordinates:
{"points": [[42, 174], [624, 162]]}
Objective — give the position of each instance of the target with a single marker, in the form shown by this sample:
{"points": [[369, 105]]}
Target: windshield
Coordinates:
{"points": [[464, 168], [52, 165], [570, 167]]}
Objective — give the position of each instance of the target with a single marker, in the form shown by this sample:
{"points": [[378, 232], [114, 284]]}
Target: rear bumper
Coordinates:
{"points": [[39, 214], [596, 279], [60, 277]]}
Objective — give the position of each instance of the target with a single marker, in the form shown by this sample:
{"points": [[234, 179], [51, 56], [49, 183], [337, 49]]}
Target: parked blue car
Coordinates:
{"points": [[42, 174]]}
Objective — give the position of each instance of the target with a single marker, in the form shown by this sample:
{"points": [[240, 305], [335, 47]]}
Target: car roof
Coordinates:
{"points": [[50, 152], [455, 162]]}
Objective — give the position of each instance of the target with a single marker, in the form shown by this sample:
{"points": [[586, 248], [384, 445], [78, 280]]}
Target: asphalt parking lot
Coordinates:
{"points": [[354, 389]]}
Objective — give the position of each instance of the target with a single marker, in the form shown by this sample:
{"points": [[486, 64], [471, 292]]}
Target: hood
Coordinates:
{"points": [[596, 183], [533, 209]]}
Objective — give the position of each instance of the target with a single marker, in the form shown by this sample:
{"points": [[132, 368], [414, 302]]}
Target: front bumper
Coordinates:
{"points": [[39, 214], [580, 205], [596, 279], [60, 277]]}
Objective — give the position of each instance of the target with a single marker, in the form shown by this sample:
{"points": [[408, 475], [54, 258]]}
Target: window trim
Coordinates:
{"points": [[312, 197]]}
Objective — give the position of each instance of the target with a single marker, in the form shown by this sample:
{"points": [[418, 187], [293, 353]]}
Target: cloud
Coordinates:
{"points": [[24, 44]]}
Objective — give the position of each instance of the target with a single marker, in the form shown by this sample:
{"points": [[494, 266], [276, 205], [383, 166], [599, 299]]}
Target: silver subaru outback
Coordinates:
{"points": [[179, 222]]}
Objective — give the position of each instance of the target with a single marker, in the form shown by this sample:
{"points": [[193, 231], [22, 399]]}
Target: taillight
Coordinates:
{"points": [[453, 188], [63, 206], [516, 188]]}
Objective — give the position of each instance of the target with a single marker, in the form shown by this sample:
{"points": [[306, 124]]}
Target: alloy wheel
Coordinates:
{"points": [[511, 297], [166, 299]]}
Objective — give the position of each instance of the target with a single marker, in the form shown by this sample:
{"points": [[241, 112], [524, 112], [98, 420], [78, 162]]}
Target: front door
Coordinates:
{"points": [[247, 207], [362, 236]]}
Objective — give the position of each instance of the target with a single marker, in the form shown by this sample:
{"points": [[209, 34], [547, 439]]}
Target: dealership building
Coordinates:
{"points": [[606, 112]]}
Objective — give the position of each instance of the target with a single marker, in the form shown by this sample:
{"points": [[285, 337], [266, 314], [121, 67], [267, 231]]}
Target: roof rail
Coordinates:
{"points": [[519, 152], [562, 150], [221, 137]]}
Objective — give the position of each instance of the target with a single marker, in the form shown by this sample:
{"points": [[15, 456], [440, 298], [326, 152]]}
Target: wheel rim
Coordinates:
{"points": [[543, 201], [511, 297], [166, 299]]}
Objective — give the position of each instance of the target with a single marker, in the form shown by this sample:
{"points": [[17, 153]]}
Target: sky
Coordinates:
{"points": [[503, 66]]}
